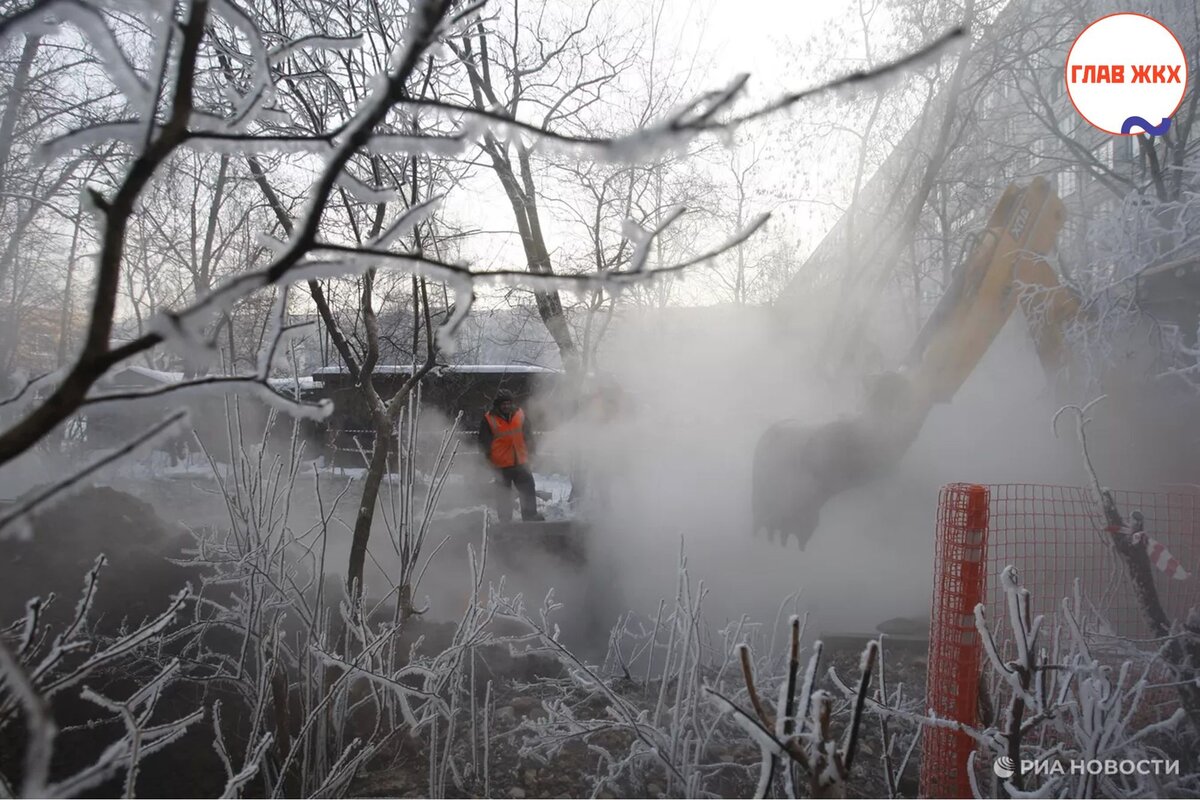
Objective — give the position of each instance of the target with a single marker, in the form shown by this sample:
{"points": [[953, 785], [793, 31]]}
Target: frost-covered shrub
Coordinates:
{"points": [[1067, 698], [123, 676], [669, 710]]}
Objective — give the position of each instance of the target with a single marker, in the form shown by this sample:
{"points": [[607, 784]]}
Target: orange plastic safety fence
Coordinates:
{"points": [[954, 647], [1054, 536]]}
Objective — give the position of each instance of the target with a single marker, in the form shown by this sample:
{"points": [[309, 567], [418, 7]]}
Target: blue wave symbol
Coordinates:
{"points": [[1153, 130]]}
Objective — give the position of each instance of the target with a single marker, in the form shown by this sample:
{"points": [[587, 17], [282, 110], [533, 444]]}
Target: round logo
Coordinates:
{"points": [[1127, 74], [1003, 767]]}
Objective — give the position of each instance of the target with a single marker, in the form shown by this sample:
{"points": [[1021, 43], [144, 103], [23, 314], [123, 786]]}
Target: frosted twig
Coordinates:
{"points": [[1081, 422], [40, 727], [701, 115]]}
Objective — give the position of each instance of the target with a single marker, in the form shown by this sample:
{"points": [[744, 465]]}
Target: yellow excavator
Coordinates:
{"points": [[797, 468]]}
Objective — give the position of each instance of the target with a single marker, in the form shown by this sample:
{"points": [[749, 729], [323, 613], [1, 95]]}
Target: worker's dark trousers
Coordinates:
{"points": [[522, 478]]}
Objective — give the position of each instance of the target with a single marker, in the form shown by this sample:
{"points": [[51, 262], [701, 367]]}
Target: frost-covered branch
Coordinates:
{"points": [[1130, 544], [177, 74], [800, 726], [35, 675], [707, 113], [1062, 704]]}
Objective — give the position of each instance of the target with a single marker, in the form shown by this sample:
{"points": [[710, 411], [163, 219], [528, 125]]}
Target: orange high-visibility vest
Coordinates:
{"points": [[508, 439]]}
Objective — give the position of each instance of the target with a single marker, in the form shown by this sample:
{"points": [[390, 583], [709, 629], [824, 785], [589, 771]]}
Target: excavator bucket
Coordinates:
{"points": [[798, 467], [793, 474]]}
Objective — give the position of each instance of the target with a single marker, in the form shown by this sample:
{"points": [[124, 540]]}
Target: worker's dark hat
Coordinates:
{"points": [[501, 396]]}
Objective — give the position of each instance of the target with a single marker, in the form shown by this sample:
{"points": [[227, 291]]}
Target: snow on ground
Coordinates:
{"points": [[559, 486]]}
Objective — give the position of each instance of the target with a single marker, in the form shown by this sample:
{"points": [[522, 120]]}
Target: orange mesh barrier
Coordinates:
{"points": [[954, 647], [1054, 536]]}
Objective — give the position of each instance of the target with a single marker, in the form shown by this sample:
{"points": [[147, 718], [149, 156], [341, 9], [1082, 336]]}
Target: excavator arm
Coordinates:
{"points": [[1006, 269], [797, 467]]}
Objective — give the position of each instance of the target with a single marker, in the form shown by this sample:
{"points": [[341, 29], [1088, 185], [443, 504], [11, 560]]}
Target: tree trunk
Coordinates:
{"points": [[16, 93], [366, 509], [1182, 654], [64, 321]]}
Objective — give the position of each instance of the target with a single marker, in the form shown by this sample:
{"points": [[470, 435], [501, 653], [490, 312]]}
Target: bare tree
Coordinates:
{"points": [[239, 81], [554, 77], [39, 209]]}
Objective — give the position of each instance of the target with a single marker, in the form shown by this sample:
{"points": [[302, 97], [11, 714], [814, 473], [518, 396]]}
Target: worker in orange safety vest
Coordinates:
{"points": [[505, 442]]}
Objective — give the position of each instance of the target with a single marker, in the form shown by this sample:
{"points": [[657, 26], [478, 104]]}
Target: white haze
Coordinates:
{"points": [[673, 470], [676, 469]]}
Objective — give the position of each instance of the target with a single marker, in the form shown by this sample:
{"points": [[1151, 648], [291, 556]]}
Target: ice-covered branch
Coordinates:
{"points": [[40, 727], [708, 113], [1128, 543], [800, 726], [1081, 423], [97, 354], [363, 130]]}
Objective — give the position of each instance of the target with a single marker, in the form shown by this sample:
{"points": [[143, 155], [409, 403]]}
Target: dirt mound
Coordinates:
{"points": [[69, 536]]}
